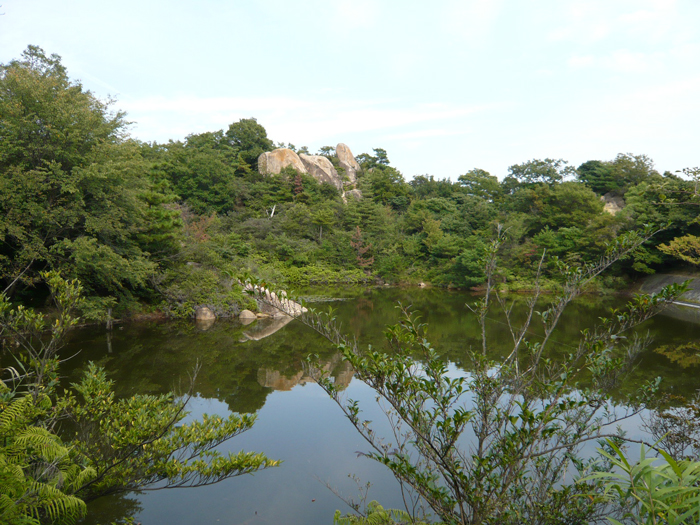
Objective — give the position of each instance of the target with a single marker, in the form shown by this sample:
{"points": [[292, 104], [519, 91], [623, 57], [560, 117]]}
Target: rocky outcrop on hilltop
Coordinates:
{"points": [[347, 161], [273, 162], [318, 166], [321, 169]]}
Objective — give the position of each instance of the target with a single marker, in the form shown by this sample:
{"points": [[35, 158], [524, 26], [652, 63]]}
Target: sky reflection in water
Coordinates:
{"points": [[242, 371]]}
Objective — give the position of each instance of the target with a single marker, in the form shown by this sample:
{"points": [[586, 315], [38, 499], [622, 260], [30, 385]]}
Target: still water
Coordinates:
{"points": [[258, 368]]}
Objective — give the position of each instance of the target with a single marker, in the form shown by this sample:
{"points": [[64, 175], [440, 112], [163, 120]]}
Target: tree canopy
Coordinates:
{"points": [[78, 194], [75, 192]]}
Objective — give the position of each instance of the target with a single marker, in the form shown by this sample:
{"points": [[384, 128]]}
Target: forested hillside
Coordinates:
{"points": [[172, 226]]}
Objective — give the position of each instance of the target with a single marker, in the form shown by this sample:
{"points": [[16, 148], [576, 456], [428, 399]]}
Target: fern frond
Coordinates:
{"points": [[55, 504], [17, 410], [42, 442]]}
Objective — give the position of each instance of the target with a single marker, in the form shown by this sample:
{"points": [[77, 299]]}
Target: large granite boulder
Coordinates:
{"points": [[273, 162], [347, 161], [321, 169]]}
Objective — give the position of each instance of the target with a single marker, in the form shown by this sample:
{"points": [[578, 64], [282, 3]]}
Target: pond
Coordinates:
{"points": [[258, 368]]}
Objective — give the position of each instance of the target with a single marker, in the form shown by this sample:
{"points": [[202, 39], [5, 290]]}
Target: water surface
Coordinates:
{"points": [[258, 368]]}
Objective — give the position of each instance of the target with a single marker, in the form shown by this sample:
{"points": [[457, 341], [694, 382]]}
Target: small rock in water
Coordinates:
{"points": [[204, 314], [247, 314]]}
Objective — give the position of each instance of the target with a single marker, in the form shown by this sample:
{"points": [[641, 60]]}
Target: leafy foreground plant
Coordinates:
{"points": [[377, 515], [651, 494], [501, 444], [115, 445], [36, 474]]}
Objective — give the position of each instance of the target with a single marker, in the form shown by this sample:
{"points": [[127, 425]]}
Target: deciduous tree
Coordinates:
{"points": [[525, 416], [249, 139], [72, 186]]}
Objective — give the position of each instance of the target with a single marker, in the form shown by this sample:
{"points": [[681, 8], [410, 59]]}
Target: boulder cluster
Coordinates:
{"points": [[318, 166]]}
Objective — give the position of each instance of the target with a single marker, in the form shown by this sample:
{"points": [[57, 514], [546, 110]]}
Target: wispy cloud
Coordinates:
{"points": [[427, 133], [621, 61], [675, 98], [290, 119], [352, 15], [198, 105], [591, 21], [581, 61], [471, 21]]}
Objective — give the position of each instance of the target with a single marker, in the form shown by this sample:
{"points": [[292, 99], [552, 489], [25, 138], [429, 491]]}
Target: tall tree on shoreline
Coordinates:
{"points": [[75, 192]]}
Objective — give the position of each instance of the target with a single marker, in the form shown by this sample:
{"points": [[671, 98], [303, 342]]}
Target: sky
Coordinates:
{"points": [[442, 86]]}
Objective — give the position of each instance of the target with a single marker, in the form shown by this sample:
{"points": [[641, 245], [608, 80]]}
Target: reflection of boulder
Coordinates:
{"points": [[277, 381], [204, 324], [342, 380], [265, 328], [342, 374]]}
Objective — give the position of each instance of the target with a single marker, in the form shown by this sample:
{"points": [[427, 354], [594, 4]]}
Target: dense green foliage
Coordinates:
{"points": [[666, 493], [503, 443], [36, 475], [174, 226], [60, 449], [168, 225], [75, 193]]}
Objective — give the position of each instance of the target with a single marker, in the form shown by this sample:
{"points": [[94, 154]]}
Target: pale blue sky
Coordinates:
{"points": [[443, 86]]}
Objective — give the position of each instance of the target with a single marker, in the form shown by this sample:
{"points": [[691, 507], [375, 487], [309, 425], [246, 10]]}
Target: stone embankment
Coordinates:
{"points": [[278, 309], [654, 283], [272, 305], [687, 307]]}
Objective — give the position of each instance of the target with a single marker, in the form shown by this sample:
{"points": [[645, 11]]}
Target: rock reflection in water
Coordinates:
{"points": [[264, 328], [340, 370], [300, 425], [204, 324]]}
